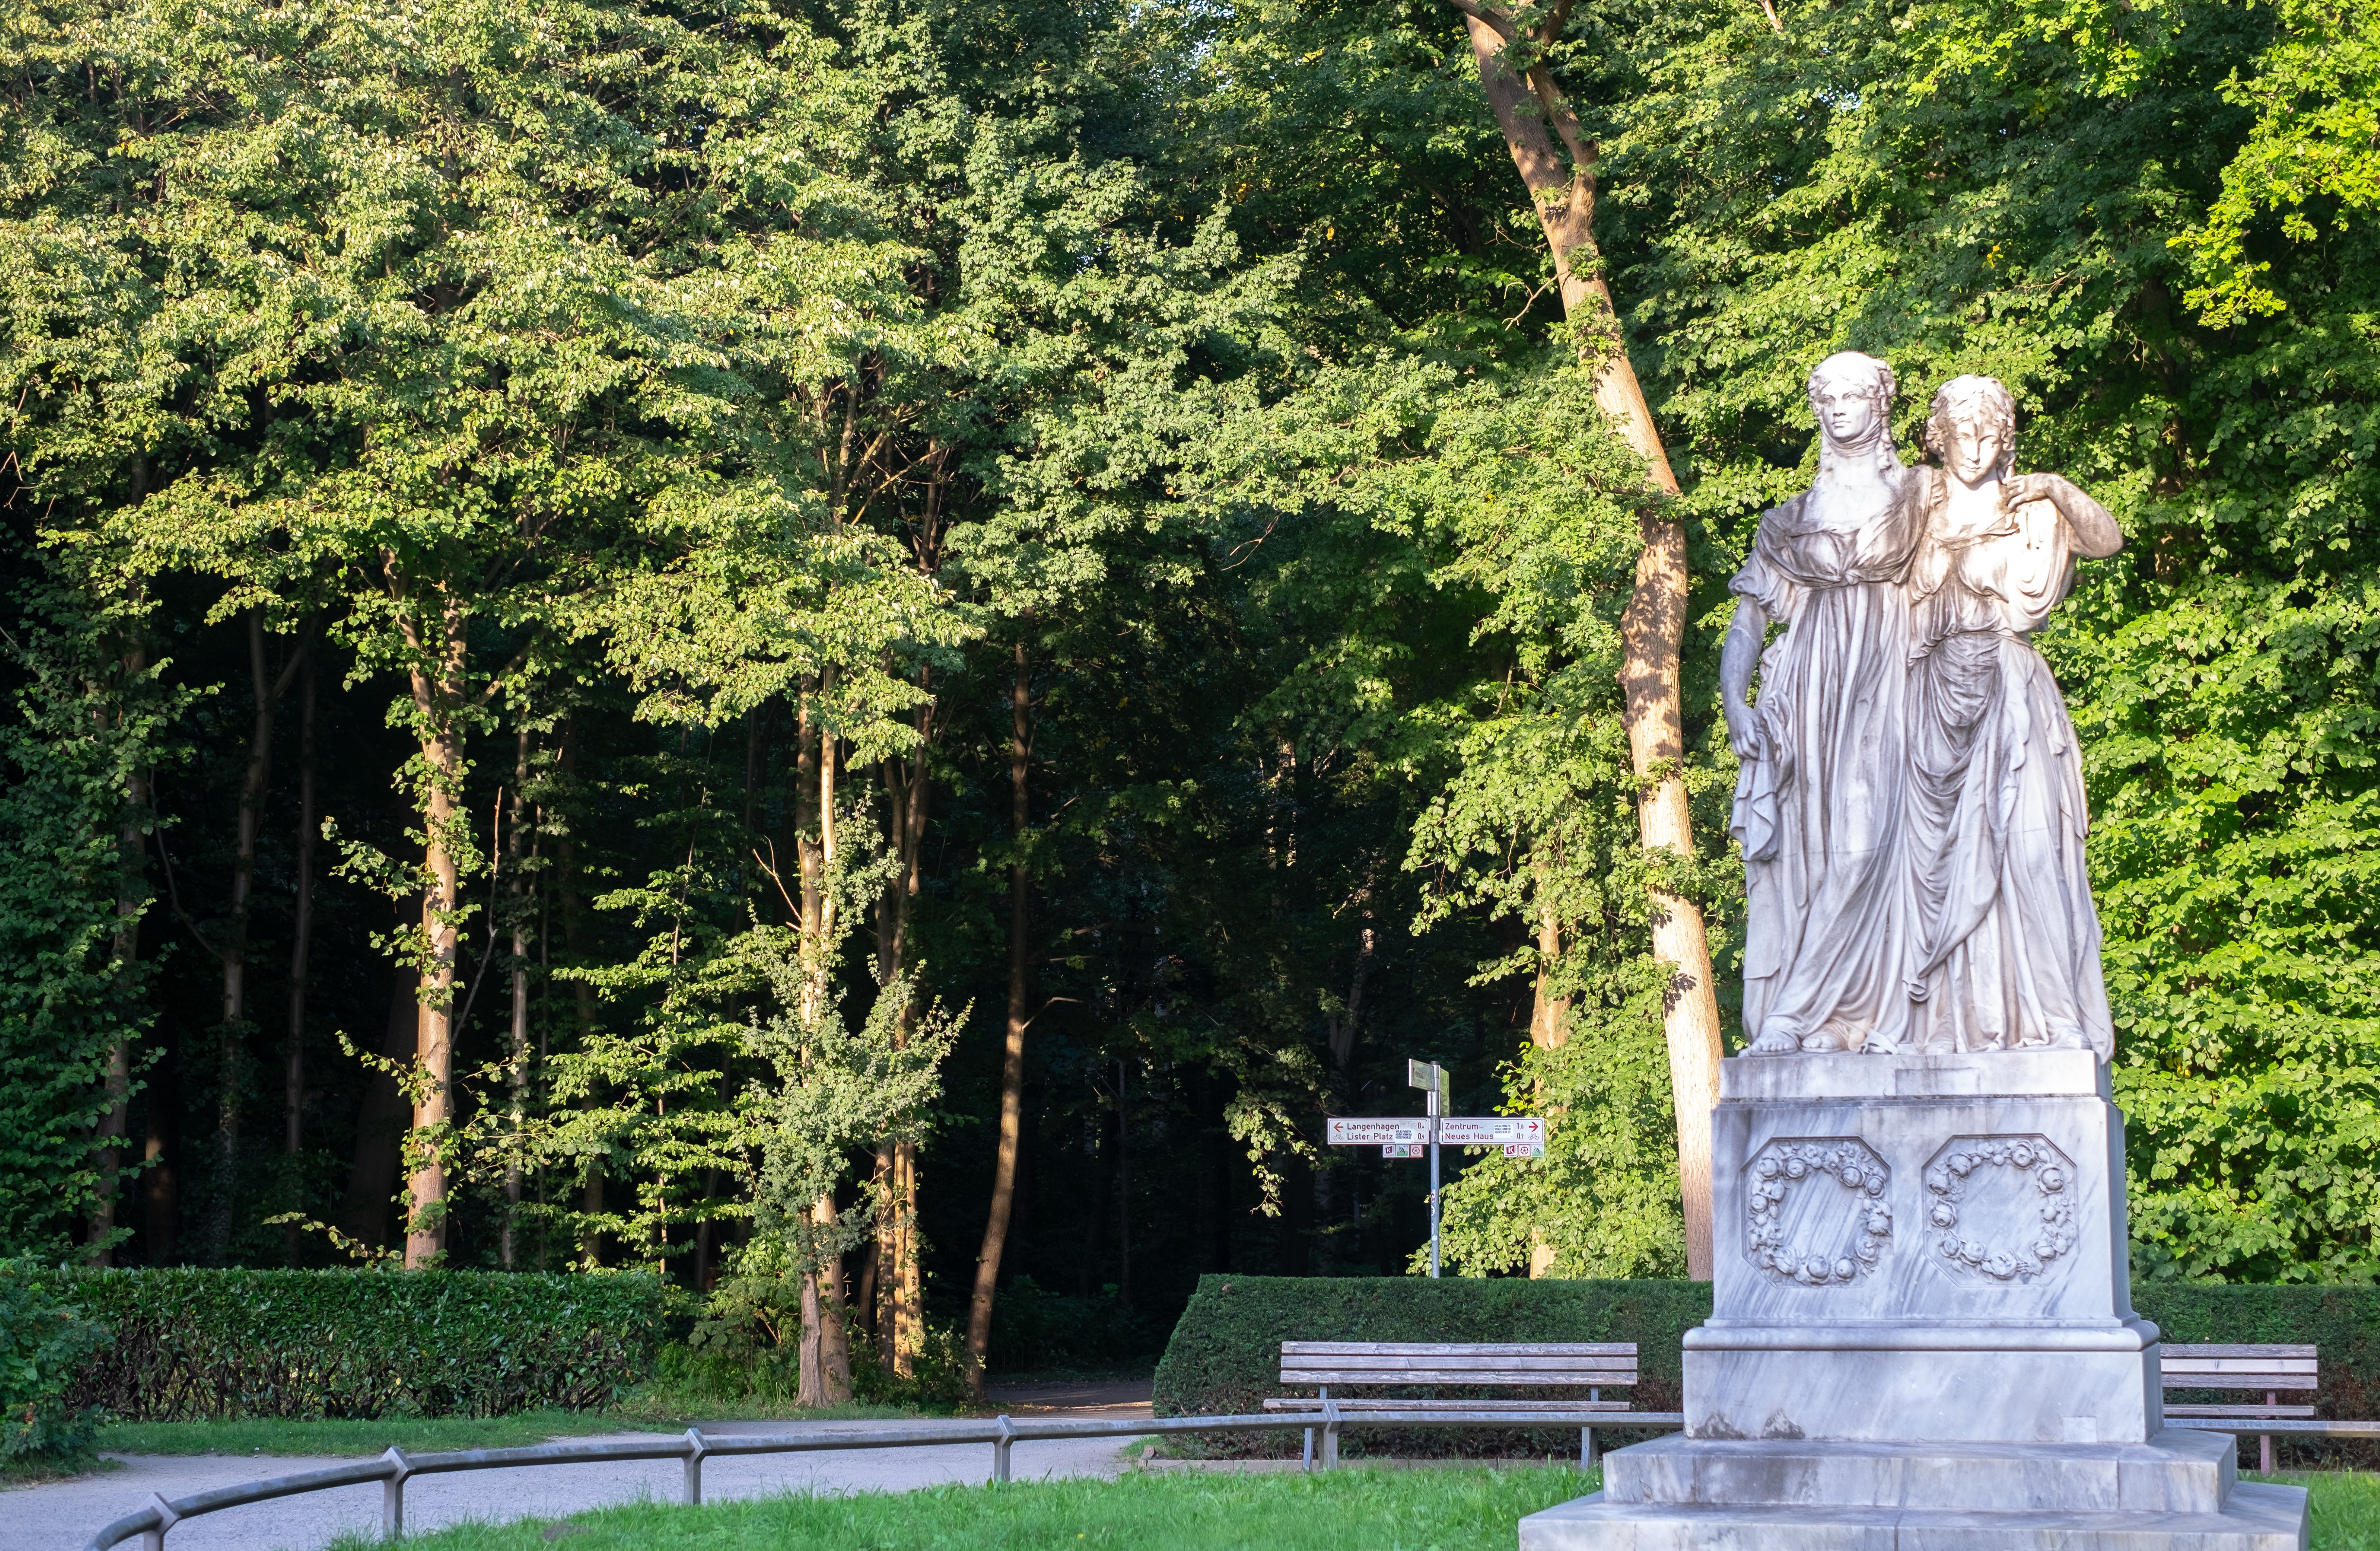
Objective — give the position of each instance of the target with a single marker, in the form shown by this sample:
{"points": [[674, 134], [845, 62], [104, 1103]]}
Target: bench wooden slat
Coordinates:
{"points": [[2239, 1365], [1530, 1408], [2240, 1350], [1460, 1376], [1441, 1362], [2275, 1382], [1459, 1348], [2239, 1410]]}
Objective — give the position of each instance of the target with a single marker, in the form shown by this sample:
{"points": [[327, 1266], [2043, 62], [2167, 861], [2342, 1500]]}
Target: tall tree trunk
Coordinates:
{"points": [[898, 1313], [1653, 626], [1549, 1014], [232, 1032], [302, 947], [124, 954], [1012, 1059], [825, 1372], [574, 934], [435, 698], [516, 1069], [878, 1290], [908, 1277]]}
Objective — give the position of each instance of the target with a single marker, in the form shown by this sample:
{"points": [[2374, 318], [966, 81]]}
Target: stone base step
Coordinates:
{"points": [[2178, 1471], [2255, 1518]]}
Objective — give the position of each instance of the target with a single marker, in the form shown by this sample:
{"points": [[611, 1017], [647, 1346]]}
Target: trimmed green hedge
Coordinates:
{"points": [[1226, 1354], [194, 1344]]}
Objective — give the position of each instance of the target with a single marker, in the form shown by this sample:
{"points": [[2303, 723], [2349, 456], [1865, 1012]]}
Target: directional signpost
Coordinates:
{"points": [[1517, 1135], [1430, 1078]]}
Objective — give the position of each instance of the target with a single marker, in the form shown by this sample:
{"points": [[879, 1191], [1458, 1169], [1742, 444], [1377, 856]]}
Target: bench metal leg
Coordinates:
{"points": [[2264, 1440], [1587, 1453], [1309, 1449]]}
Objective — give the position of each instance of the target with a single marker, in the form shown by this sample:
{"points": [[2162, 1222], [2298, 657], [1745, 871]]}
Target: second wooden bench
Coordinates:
{"points": [[1594, 1366]]}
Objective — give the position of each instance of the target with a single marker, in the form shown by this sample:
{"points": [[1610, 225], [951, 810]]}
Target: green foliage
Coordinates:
{"points": [[1444, 1511], [1225, 1354], [203, 1344], [642, 376], [745, 1349], [1997, 190], [2315, 92], [82, 721], [1604, 1199], [43, 1344]]}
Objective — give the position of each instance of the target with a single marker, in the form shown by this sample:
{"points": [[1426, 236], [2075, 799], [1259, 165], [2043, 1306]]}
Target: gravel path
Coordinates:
{"points": [[63, 1516]]}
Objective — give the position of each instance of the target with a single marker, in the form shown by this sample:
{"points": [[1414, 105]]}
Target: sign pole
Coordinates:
{"points": [[1431, 1094]]}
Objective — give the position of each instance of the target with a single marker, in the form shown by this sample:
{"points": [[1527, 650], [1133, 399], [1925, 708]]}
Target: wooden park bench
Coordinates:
{"points": [[1594, 1366], [2269, 1368]]}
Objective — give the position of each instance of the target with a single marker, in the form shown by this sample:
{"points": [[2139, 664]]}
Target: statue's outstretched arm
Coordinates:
{"points": [[1737, 662], [2095, 533]]}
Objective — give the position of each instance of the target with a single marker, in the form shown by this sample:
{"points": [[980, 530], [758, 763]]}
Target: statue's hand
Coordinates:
{"points": [[2018, 488], [1743, 732]]}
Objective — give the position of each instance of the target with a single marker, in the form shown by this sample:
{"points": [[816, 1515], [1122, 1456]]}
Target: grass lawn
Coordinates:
{"points": [[1353, 1509], [2345, 1504], [1469, 1509]]}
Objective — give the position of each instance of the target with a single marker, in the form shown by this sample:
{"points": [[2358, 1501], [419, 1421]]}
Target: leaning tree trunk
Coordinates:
{"points": [[1653, 625], [1012, 1061]]}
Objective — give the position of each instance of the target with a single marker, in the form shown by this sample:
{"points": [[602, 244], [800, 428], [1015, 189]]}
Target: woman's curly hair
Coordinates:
{"points": [[1984, 395]]}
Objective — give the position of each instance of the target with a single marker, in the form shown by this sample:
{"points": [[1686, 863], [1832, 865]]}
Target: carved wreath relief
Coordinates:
{"points": [[2002, 1208], [1815, 1209]]}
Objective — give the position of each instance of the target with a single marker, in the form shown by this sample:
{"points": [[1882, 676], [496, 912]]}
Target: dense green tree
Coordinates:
{"points": [[1096, 516]]}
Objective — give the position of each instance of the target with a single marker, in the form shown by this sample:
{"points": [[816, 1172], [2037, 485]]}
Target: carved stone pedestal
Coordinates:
{"points": [[1922, 1333]]}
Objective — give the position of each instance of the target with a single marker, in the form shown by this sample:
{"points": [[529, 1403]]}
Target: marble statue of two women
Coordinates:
{"points": [[1910, 802]]}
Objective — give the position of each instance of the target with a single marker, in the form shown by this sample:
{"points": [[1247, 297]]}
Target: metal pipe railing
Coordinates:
{"points": [[394, 1469]]}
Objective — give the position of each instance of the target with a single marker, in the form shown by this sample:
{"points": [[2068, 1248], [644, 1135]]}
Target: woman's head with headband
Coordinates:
{"points": [[1852, 395]]}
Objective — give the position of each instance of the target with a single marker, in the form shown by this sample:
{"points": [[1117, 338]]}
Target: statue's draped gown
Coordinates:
{"points": [[2006, 941], [1819, 810]]}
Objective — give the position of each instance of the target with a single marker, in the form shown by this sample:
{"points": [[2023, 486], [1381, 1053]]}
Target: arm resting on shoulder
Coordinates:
{"points": [[2095, 533], [1737, 662]]}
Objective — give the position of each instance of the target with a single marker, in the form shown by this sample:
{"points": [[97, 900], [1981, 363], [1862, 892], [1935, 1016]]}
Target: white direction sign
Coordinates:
{"points": [[1386, 1130], [1427, 1075], [1517, 1135]]}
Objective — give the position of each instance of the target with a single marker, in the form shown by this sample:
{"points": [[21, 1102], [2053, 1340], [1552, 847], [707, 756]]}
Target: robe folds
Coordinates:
{"points": [[1819, 807], [2005, 938]]}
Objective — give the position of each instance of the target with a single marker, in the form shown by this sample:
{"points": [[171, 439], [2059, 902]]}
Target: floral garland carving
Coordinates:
{"points": [[2051, 1174], [1849, 1165]]}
